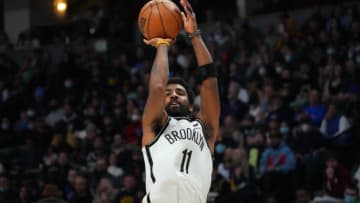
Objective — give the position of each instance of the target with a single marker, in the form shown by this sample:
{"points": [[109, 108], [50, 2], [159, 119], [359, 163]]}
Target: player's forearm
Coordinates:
{"points": [[202, 53], [160, 69]]}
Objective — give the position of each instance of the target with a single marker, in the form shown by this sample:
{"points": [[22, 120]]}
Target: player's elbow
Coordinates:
{"points": [[157, 88]]}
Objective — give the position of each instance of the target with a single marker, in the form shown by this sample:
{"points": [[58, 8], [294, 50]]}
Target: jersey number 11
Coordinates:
{"points": [[186, 158]]}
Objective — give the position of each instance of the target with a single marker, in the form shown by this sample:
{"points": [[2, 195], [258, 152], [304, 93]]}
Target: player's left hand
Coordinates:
{"points": [[189, 17]]}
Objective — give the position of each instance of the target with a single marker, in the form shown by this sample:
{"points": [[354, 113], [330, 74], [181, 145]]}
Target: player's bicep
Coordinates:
{"points": [[154, 112]]}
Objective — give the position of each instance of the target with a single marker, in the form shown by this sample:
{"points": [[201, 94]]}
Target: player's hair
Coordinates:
{"points": [[182, 82]]}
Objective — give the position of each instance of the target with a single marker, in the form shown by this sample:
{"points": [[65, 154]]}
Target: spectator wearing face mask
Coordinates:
{"points": [[308, 145]]}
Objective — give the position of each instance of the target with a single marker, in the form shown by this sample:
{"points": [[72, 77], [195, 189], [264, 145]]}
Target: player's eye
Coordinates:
{"points": [[180, 92]]}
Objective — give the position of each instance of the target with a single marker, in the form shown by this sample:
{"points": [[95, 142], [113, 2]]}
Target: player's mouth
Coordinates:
{"points": [[174, 104]]}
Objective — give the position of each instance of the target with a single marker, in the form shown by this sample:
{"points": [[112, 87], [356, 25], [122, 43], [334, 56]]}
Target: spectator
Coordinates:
{"points": [[69, 188], [113, 169], [351, 194], [98, 152], [121, 150], [82, 193], [308, 145], [51, 194], [105, 192], [233, 106], [302, 196], [128, 193], [336, 176], [242, 180], [277, 165], [58, 172], [335, 127], [24, 195], [99, 173], [220, 188], [315, 109], [6, 193]]}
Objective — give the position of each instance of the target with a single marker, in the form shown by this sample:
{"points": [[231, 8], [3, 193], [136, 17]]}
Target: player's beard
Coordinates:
{"points": [[181, 111]]}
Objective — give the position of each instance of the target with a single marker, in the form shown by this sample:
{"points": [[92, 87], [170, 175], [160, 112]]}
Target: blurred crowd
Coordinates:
{"points": [[71, 131]]}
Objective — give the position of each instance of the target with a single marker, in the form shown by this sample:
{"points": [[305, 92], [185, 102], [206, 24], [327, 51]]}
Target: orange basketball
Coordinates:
{"points": [[160, 18]]}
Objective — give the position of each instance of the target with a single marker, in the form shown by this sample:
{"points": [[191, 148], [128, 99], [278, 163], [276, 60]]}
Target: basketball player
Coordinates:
{"points": [[178, 143]]}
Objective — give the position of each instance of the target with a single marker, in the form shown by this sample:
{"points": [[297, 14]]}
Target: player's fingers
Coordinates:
{"points": [[171, 41], [183, 4], [188, 6], [146, 41], [183, 16]]}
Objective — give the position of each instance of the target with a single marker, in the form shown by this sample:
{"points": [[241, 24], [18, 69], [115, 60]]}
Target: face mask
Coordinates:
{"points": [[284, 130], [288, 58], [30, 113], [357, 59], [330, 51], [220, 148], [262, 71], [3, 189], [305, 127], [278, 69], [135, 117], [349, 199], [4, 126], [68, 83]]}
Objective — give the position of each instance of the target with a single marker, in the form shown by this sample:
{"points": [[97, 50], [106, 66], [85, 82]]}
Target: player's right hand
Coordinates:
{"points": [[156, 42]]}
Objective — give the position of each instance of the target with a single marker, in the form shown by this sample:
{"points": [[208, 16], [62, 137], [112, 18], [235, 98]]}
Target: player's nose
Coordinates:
{"points": [[173, 95]]}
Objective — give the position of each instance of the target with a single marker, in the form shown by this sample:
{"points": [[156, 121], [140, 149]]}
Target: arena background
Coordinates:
{"points": [[73, 85]]}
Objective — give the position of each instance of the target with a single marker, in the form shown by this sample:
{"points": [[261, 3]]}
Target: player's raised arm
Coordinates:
{"points": [[210, 102], [154, 113]]}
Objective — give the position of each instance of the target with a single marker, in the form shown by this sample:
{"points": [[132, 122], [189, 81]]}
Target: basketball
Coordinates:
{"points": [[160, 18]]}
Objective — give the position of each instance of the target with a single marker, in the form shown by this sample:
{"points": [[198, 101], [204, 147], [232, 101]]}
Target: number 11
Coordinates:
{"points": [[186, 157]]}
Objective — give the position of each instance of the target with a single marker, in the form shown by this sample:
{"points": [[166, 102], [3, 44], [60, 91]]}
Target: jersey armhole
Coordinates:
{"points": [[160, 131], [205, 134]]}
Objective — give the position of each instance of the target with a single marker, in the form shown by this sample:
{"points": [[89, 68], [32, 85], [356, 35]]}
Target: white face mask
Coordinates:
{"points": [[357, 59], [68, 83], [330, 51], [305, 127], [262, 71], [30, 113], [284, 130], [3, 189], [135, 117], [288, 58], [4, 126]]}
